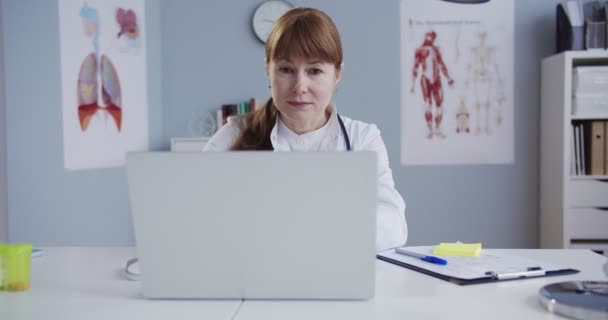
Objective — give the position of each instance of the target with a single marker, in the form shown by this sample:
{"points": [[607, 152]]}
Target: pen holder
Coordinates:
{"points": [[595, 35], [15, 266]]}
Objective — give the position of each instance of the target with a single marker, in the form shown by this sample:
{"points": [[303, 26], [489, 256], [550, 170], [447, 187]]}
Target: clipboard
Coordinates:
{"points": [[489, 266]]}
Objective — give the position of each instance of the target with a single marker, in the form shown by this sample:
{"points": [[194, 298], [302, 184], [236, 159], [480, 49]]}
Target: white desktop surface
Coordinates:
{"points": [[405, 294], [87, 283], [72, 283]]}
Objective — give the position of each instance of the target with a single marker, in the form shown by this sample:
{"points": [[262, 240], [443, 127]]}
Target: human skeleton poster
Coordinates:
{"points": [[456, 82]]}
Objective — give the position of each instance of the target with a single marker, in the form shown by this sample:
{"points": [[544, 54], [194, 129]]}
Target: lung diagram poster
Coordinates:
{"points": [[457, 82], [103, 78]]}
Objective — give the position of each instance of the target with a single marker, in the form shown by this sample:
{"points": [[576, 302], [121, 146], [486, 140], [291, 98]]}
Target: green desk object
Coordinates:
{"points": [[15, 266]]}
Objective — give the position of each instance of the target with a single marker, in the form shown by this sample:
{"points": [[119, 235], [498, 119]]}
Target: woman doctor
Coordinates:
{"points": [[304, 65]]}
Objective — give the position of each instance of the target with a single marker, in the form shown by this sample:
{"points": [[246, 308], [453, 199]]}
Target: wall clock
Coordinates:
{"points": [[266, 15]]}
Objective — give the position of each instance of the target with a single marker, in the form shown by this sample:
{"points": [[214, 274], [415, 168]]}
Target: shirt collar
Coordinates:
{"points": [[332, 131]]}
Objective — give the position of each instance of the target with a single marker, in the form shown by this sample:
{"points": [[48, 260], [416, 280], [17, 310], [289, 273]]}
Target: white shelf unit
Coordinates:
{"points": [[188, 144], [573, 209]]}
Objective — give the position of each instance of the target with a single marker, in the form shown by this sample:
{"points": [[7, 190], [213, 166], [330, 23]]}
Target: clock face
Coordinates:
{"points": [[266, 15]]}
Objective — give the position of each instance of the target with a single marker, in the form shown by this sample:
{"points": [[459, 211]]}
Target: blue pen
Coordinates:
{"points": [[421, 256]]}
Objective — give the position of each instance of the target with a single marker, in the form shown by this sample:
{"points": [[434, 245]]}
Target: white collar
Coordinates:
{"points": [[284, 130], [331, 131]]}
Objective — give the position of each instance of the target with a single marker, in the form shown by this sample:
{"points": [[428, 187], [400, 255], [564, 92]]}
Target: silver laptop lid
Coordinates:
{"points": [[282, 225]]}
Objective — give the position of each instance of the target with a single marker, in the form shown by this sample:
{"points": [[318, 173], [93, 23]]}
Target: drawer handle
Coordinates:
{"points": [[602, 208]]}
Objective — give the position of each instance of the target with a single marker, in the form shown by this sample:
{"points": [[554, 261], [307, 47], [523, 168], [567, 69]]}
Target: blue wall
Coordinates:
{"points": [[202, 54], [3, 192]]}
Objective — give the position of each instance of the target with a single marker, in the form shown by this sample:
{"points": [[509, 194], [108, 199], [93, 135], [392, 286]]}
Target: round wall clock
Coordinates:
{"points": [[266, 15]]}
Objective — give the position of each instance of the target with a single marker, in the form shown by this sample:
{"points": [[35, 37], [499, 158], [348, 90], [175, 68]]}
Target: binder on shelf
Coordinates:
{"points": [[572, 152], [489, 266], [570, 29], [577, 150], [606, 147], [595, 135], [581, 136]]}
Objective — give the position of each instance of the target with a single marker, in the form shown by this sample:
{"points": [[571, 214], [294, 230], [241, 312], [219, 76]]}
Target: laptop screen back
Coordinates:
{"points": [[255, 224]]}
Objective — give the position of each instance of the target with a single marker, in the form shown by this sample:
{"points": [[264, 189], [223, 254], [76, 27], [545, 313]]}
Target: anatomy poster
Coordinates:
{"points": [[456, 82], [103, 77]]}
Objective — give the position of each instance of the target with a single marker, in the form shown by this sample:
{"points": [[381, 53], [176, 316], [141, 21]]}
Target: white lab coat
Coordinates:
{"points": [[391, 227]]}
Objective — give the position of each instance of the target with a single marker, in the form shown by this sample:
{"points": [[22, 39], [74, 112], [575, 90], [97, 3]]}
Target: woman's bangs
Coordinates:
{"points": [[300, 42]]}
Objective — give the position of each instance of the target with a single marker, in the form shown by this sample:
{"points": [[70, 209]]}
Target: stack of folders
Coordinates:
{"points": [[590, 91], [580, 27], [590, 102]]}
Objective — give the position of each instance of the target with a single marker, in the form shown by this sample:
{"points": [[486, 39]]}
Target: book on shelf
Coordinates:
{"points": [[234, 109]]}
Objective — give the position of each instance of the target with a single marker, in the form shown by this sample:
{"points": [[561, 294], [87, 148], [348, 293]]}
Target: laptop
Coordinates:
{"points": [[254, 225]]}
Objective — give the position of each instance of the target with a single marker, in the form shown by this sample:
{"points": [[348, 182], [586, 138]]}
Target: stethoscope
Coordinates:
{"points": [[346, 139]]}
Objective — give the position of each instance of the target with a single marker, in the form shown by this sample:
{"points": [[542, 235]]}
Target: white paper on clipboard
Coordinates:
{"points": [[488, 264]]}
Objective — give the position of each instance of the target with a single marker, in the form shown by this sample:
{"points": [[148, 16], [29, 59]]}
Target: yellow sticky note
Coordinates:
{"points": [[458, 249]]}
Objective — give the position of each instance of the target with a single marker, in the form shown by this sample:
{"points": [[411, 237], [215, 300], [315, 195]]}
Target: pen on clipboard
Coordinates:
{"points": [[422, 257], [531, 272]]}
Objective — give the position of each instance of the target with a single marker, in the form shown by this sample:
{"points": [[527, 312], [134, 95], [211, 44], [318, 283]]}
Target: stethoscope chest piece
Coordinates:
{"points": [[576, 299]]}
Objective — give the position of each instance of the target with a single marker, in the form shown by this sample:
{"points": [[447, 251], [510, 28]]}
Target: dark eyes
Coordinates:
{"points": [[312, 71]]}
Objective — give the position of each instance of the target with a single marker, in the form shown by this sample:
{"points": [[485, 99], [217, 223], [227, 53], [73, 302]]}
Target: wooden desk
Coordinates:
{"points": [[87, 283]]}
